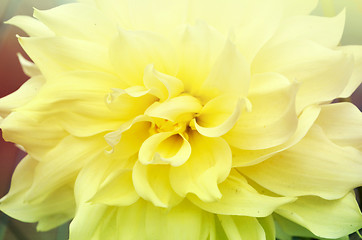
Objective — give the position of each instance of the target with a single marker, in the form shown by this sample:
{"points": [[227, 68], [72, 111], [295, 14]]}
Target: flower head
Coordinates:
{"points": [[185, 120]]}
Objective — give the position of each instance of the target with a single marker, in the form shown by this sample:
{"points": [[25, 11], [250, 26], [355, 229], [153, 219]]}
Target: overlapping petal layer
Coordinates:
{"points": [[185, 120]]}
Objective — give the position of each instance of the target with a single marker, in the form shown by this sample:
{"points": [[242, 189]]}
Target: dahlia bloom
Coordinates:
{"points": [[186, 120]]}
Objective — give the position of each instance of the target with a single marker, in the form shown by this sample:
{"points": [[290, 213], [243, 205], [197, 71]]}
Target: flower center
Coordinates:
{"points": [[165, 125]]}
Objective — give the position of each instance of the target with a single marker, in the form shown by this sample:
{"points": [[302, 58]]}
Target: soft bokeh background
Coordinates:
{"points": [[11, 77]]}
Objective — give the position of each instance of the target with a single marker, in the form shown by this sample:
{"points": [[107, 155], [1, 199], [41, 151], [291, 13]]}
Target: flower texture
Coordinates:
{"points": [[186, 120]]}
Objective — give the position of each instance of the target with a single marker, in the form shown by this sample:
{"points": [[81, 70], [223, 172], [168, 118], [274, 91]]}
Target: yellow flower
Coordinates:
{"points": [[186, 120]]}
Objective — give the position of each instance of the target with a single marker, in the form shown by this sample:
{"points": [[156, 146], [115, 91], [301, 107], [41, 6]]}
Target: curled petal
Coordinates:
{"points": [[219, 115], [152, 183], [161, 85], [311, 167], [208, 165], [177, 109], [165, 147], [28, 67], [239, 198]]}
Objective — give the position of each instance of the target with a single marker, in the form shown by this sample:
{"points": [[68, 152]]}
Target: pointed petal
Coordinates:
{"points": [[240, 227], [229, 75], [131, 52], [355, 79], [29, 68], [21, 96], [342, 123], [161, 85], [325, 218], [208, 165], [198, 49], [54, 55], [239, 198], [272, 120], [219, 115], [52, 211], [152, 183], [311, 167], [78, 21], [32, 26]]}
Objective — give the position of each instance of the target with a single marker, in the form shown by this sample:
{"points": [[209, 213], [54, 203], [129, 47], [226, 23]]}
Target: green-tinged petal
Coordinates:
{"points": [[325, 218], [219, 115], [239, 198], [78, 21], [322, 73], [272, 120], [322, 30], [54, 55], [19, 127], [229, 75], [269, 227], [152, 183], [60, 165], [132, 51], [311, 167], [163, 148], [342, 123], [29, 68], [199, 47], [22, 96], [53, 210], [208, 165], [355, 79], [161, 85], [31, 26], [251, 157], [178, 109], [117, 189], [240, 227]]}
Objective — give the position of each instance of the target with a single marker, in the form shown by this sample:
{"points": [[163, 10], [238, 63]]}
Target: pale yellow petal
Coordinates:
{"points": [[322, 73], [31, 26], [199, 47], [239, 198], [219, 115], [161, 85], [132, 51], [163, 148], [240, 227], [51, 211], [54, 55], [20, 127], [229, 75], [311, 167], [29, 68], [21, 96], [178, 109], [325, 218], [117, 189], [355, 79], [208, 165], [325, 31], [78, 21], [251, 157], [342, 123], [272, 120], [152, 184], [298, 7]]}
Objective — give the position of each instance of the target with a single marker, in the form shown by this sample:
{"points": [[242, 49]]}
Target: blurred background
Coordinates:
{"points": [[11, 78]]}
